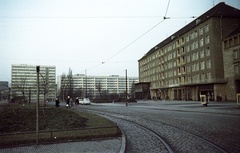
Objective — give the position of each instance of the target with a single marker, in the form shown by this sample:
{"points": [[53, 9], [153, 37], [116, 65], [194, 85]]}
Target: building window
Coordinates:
{"points": [[207, 40], [236, 54], [189, 79], [197, 77], [183, 69], [189, 68], [193, 56], [192, 46], [237, 69], [192, 35], [196, 55], [174, 54], [196, 44], [202, 53], [187, 38], [188, 48], [206, 28], [209, 64], [203, 77], [197, 66], [195, 34], [173, 46], [200, 31], [202, 65], [201, 42], [208, 51], [193, 67], [188, 58], [209, 75]]}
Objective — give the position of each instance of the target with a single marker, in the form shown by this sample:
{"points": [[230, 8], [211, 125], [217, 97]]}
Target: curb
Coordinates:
{"points": [[124, 141]]}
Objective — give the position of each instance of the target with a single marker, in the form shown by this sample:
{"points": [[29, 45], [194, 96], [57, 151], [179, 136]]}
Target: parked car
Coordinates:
{"points": [[85, 101]]}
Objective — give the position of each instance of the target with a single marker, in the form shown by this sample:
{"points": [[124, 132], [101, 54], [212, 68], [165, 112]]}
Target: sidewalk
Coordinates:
{"points": [[231, 108], [105, 146]]}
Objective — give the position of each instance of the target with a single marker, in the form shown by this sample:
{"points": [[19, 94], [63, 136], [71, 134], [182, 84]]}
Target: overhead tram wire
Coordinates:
{"points": [[165, 16], [135, 39], [140, 35], [79, 17]]}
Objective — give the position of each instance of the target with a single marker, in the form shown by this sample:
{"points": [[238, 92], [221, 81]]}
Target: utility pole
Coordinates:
{"points": [[37, 107], [86, 83], [126, 89], [29, 96], [126, 85]]}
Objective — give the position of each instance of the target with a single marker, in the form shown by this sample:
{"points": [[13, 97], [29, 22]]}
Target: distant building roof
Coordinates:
{"points": [[220, 10]]}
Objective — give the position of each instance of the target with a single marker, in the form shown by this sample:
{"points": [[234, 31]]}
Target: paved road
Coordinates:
{"points": [[183, 125]]}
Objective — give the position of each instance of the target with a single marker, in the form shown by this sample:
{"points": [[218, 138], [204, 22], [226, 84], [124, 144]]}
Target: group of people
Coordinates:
{"points": [[69, 102]]}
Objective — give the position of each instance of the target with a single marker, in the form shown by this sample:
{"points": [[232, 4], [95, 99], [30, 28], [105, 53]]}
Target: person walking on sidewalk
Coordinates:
{"points": [[57, 102], [68, 102]]}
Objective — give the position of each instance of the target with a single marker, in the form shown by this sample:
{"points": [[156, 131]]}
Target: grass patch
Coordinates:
{"points": [[18, 125]]}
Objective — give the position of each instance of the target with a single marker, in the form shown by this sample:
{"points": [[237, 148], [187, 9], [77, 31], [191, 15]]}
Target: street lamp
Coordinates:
{"points": [[37, 108]]}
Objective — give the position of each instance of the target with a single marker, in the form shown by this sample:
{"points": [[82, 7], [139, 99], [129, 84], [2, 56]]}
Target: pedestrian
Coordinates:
{"points": [[57, 102], [68, 102], [77, 101], [71, 102]]}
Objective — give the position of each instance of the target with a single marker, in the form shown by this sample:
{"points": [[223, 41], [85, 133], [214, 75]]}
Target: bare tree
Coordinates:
{"points": [[63, 86], [67, 84], [133, 90], [70, 82], [99, 88], [20, 86], [45, 85]]}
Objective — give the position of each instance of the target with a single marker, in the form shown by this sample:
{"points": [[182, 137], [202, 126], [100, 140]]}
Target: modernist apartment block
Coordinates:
{"points": [[191, 61], [90, 86], [24, 82]]}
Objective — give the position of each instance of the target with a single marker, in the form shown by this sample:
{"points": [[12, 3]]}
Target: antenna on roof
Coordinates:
{"points": [[213, 2]]}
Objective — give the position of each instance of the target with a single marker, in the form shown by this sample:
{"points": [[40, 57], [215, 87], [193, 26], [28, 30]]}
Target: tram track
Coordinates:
{"points": [[167, 134], [162, 146]]}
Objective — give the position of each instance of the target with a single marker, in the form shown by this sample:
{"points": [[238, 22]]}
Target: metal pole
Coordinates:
{"points": [[126, 85], [86, 83], [37, 107]]}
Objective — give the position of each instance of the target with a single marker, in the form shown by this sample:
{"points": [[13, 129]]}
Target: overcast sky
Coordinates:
{"points": [[104, 37]]}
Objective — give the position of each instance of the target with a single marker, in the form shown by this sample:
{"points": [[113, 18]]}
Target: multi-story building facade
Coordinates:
{"points": [[4, 90], [92, 86], [231, 54], [190, 62], [24, 82]]}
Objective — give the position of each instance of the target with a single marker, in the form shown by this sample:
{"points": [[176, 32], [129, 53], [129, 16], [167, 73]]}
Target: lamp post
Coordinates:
{"points": [[37, 107], [86, 83], [126, 89], [126, 84]]}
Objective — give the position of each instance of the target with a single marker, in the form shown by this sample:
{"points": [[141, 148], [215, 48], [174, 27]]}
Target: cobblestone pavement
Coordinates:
{"points": [[186, 126]]}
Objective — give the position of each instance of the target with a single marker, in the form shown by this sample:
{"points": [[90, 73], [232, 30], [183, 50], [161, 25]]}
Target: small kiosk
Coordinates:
{"points": [[204, 100], [238, 99]]}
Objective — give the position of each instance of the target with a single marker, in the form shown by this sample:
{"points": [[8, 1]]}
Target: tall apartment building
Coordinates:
{"points": [[90, 86], [24, 81], [4, 90], [190, 62]]}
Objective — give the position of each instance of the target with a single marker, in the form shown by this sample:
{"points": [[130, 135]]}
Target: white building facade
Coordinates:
{"points": [[93, 86], [24, 82]]}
